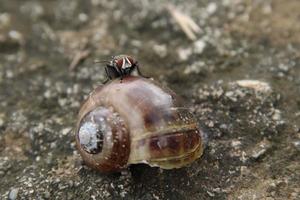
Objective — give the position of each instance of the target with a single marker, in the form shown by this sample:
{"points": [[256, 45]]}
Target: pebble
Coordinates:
{"points": [[184, 54], [5, 19], [135, 43], [32, 9], [211, 8], [13, 194], [47, 194], [231, 96], [277, 115], [297, 144], [62, 102], [196, 68], [223, 126], [9, 74], [16, 36], [258, 86], [260, 149], [236, 143], [160, 50], [38, 158], [210, 124], [47, 94], [199, 46], [83, 17], [67, 130]]}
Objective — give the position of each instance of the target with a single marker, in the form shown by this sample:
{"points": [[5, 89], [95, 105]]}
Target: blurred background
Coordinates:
{"points": [[235, 63]]}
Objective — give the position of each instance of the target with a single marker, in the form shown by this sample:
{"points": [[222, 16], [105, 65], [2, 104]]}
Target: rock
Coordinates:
{"points": [[160, 50], [260, 149], [16, 36], [198, 67], [297, 144], [83, 17], [184, 54], [258, 86], [211, 8], [5, 20], [199, 46], [13, 194]]}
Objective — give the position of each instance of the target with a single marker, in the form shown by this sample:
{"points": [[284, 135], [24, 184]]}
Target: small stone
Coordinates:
{"points": [[245, 171], [160, 50], [235, 143], [267, 9], [47, 194], [211, 124], [196, 68], [53, 145], [258, 86], [83, 17], [62, 102], [47, 94], [211, 8], [283, 68], [210, 194], [16, 36], [260, 149], [297, 144], [32, 9], [9, 74], [231, 96], [223, 126], [67, 130], [217, 94], [199, 46], [135, 43], [277, 115], [38, 158], [13, 194], [5, 19], [184, 54], [123, 194]]}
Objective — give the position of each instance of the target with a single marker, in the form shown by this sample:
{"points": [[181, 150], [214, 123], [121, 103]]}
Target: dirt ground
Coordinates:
{"points": [[240, 74]]}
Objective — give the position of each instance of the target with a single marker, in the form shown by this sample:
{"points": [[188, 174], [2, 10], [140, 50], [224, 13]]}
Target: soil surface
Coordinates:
{"points": [[240, 75]]}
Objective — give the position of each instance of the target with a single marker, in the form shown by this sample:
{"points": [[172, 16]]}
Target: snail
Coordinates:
{"points": [[133, 119]]}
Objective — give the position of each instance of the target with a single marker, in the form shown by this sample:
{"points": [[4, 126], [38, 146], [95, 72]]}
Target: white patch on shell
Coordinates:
{"points": [[88, 135], [92, 132]]}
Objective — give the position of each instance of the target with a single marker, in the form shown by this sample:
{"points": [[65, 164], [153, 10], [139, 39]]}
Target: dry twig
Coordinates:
{"points": [[186, 23], [80, 55]]}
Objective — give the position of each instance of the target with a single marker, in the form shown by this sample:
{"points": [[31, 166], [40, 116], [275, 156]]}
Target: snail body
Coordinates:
{"points": [[136, 121]]}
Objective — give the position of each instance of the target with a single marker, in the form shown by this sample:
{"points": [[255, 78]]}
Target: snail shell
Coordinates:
{"points": [[136, 121]]}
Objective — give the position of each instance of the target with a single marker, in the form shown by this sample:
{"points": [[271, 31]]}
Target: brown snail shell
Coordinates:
{"points": [[136, 121]]}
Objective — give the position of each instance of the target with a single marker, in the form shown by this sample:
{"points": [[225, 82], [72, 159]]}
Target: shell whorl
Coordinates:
{"points": [[103, 139]]}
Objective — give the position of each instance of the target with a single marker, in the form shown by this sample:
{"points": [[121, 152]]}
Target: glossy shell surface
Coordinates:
{"points": [[136, 121]]}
